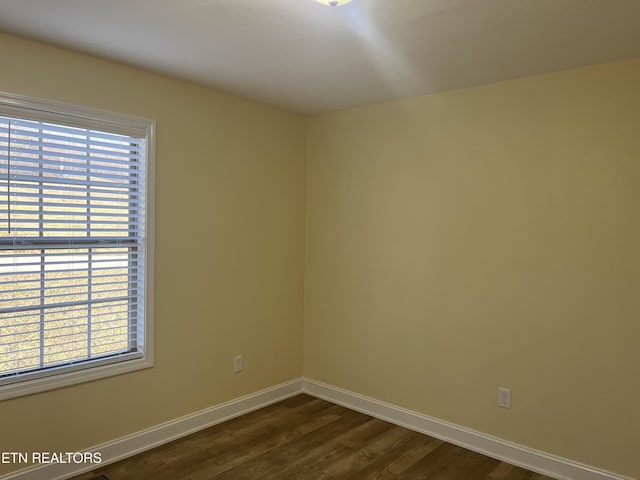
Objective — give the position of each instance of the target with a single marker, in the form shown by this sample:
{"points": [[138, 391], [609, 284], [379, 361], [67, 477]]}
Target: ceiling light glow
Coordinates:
{"points": [[333, 3]]}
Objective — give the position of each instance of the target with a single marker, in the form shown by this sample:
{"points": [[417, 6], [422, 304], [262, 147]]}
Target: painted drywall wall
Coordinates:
{"points": [[486, 237], [229, 250]]}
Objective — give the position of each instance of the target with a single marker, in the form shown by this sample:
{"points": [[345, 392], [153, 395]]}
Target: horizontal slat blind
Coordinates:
{"points": [[72, 225]]}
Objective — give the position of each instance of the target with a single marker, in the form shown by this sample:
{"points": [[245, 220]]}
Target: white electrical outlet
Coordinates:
{"points": [[238, 364], [504, 397]]}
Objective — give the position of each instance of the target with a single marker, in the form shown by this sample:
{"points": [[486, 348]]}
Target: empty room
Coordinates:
{"points": [[319, 240]]}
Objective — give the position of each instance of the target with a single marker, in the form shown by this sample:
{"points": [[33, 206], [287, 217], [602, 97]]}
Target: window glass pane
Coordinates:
{"points": [[71, 244]]}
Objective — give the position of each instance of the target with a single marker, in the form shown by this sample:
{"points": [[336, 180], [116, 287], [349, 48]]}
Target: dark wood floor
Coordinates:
{"points": [[309, 439]]}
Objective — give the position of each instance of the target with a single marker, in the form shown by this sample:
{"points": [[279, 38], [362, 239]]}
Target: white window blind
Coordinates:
{"points": [[72, 245]]}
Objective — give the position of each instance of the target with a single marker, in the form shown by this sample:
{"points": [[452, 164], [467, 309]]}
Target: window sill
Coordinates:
{"points": [[68, 378]]}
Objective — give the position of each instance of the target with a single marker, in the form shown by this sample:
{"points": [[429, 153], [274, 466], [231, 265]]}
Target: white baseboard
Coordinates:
{"points": [[494, 447], [133, 444], [166, 432]]}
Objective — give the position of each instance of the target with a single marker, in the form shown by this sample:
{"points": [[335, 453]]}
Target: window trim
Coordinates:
{"points": [[75, 115]]}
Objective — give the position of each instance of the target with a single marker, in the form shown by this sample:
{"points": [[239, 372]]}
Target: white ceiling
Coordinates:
{"points": [[309, 58]]}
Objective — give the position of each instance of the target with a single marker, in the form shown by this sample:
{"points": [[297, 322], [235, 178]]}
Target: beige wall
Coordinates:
{"points": [[229, 250], [480, 238]]}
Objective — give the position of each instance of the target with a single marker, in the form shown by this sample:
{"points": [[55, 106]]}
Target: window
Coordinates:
{"points": [[76, 250]]}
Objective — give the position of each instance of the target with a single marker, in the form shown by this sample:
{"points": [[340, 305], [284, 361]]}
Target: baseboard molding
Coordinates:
{"points": [[166, 432], [509, 452], [494, 447]]}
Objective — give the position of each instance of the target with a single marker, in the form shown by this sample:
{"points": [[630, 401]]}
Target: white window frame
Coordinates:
{"points": [[79, 116]]}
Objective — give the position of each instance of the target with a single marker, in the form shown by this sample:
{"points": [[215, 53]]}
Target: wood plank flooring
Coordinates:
{"points": [[304, 438]]}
